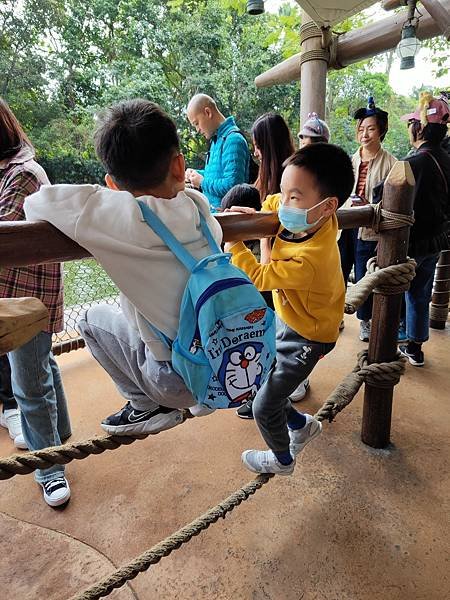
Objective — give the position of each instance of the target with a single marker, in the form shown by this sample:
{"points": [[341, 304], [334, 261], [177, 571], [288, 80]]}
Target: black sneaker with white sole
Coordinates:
{"points": [[56, 491], [129, 421], [246, 410], [416, 358]]}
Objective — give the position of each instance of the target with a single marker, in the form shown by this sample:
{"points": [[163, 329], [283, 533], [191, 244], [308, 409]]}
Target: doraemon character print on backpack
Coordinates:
{"points": [[225, 346]]}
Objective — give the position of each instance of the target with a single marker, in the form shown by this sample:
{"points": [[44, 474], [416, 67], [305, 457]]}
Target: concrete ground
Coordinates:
{"points": [[352, 523]]}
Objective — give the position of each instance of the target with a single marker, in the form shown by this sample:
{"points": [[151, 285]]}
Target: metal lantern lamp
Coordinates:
{"points": [[408, 47], [255, 7]]}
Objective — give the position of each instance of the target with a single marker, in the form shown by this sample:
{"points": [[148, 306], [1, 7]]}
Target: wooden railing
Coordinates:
{"points": [[25, 243]]}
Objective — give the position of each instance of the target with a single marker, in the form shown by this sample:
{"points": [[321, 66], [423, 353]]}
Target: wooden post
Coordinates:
{"points": [[356, 45], [392, 249], [440, 13], [441, 292], [313, 70]]}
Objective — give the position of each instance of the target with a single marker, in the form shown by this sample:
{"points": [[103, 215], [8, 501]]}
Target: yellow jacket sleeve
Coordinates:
{"points": [[292, 273], [271, 203]]}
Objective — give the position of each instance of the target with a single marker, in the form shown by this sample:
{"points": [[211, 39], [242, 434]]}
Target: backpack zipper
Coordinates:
{"points": [[213, 289], [219, 286]]}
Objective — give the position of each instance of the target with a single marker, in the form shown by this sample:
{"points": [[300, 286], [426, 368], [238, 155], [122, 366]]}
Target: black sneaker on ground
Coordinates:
{"points": [[56, 492], [246, 410], [416, 358], [129, 421]]}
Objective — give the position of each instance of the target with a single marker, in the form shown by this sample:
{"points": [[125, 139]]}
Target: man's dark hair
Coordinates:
{"points": [[434, 133], [330, 165], [136, 140], [242, 194]]}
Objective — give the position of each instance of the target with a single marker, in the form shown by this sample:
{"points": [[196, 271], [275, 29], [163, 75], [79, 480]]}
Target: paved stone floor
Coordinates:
{"points": [[352, 523]]}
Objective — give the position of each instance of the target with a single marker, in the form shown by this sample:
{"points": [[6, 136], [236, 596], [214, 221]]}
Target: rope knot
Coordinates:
{"points": [[393, 279], [384, 374], [386, 219]]}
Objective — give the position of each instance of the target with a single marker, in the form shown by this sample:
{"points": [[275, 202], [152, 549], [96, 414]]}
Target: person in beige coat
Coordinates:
{"points": [[371, 165]]}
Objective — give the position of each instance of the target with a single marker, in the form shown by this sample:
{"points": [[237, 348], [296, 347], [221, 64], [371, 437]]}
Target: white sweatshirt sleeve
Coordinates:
{"points": [[60, 205], [203, 206]]}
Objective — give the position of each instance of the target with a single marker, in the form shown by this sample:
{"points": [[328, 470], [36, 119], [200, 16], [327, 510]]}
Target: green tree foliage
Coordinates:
{"points": [[63, 60]]}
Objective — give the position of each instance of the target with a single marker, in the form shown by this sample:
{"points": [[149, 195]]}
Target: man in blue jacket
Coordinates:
{"points": [[227, 162]]}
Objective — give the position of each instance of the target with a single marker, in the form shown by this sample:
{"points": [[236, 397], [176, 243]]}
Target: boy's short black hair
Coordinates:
{"points": [[242, 194], [330, 165], [136, 140]]}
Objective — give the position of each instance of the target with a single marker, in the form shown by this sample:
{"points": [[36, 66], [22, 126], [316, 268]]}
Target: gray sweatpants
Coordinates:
{"points": [[119, 349], [296, 358]]}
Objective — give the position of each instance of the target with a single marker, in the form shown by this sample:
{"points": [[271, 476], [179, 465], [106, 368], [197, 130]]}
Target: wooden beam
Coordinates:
{"points": [[25, 243], [440, 12], [392, 4], [357, 45]]}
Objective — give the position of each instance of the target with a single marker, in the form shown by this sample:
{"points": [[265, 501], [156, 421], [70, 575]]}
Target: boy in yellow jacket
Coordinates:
{"points": [[304, 274]]}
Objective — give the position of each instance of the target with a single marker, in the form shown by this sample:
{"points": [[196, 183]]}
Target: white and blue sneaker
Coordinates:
{"points": [[129, 421], [301, 437], [56, 491], [265, 461]]}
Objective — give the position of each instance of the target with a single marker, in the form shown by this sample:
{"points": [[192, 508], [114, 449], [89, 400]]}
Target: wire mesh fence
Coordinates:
{"points": [[85, 284]]}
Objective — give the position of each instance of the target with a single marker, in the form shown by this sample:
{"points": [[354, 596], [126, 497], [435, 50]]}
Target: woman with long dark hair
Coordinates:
{"points": [[272, 142], [35, 378]]}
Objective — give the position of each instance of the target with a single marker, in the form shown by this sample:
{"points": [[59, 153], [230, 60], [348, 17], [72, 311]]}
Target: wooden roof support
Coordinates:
{"points": [[25, 243], [392, 4], [359, 44], [440, 11], [314, 66]]}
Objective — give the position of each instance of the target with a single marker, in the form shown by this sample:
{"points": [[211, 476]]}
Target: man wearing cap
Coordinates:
{"points": [[430, 164], [313, 130]]}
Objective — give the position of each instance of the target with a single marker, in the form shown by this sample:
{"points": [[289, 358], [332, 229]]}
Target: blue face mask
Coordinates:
{"points": [[295, 220]]}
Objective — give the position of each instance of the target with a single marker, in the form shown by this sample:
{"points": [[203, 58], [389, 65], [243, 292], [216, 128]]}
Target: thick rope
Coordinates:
{"points": [[342, 396], [309, 30], [385, 374], [439, 313], [379, 374], [393, 279], [385, 219], [172, 542], [319, 54], [27, 462]]}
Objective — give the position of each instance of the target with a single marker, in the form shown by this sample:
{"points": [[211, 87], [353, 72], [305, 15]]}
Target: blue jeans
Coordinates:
{"points": [[364, 251], [418, 299], [38, 389]]}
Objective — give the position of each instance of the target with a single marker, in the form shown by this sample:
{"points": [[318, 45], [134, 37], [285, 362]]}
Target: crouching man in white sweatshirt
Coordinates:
{"points": [[139, 148]]}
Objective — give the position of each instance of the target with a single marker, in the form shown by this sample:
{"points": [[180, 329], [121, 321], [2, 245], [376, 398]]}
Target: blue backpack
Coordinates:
{"points": [[225, 345]]}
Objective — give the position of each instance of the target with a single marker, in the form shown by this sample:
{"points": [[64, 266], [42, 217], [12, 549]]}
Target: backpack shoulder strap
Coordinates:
{"points": [[235, 130], [167, 236], [436, 162], [214, 246]]}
